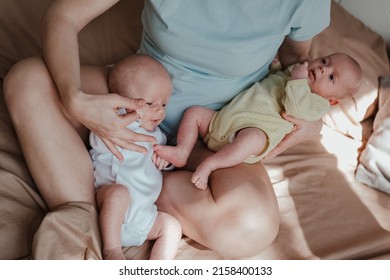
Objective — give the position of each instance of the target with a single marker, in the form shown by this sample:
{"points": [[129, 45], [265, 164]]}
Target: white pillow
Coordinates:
{"points": [[374, 167]]}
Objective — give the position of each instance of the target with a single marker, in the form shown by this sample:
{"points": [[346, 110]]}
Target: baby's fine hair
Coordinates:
{"points": [[135, 68]]}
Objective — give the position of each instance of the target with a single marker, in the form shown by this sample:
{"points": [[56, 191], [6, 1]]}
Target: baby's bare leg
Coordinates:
{"points": [[249, 141], [167, 233], [195, 122], [113, 201]]}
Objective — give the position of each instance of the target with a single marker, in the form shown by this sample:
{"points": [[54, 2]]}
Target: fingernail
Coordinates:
{"points": [[121, 111]]}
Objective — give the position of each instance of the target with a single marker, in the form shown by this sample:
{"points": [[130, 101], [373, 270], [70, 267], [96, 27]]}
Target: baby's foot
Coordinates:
{"points": [[175, 155], [201, 175], [113, 254]]}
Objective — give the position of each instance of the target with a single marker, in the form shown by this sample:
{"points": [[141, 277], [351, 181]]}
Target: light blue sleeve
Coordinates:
{"points": [[314, 18]]}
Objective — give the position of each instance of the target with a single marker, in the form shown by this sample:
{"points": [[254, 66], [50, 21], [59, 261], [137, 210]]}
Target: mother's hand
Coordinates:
{"points": [[99, 114], [302, 131]]}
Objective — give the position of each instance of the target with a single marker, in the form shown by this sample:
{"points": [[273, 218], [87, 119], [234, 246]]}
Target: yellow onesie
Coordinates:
{"points": [[260, 106]]}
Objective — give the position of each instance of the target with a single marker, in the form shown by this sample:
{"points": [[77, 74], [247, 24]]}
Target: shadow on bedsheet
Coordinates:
{"points": [[324, 212]]}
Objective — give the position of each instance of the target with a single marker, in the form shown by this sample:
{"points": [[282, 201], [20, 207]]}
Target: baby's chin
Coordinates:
{"points": [[149, 128], [150, 125]]}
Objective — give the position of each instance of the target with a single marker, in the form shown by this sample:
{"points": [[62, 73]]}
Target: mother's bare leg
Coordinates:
{"points": [[237, 216], [57, 158], [51, 141]]}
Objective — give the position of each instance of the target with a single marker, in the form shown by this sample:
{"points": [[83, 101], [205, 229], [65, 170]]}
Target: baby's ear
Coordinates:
{"points": [[333, 101]]}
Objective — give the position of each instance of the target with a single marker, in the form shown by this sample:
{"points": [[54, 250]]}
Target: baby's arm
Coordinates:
{"points": [[299, 101], [300, 71], [248, 141]]}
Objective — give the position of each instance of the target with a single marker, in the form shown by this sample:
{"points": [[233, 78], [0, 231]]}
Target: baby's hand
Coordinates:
{"points": [[300, 71], [159, 162], [275, 65]]}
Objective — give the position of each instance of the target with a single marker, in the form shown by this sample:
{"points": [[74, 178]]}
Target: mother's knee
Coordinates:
{"points": [[24, 76], [28, 89], [246, 231]]}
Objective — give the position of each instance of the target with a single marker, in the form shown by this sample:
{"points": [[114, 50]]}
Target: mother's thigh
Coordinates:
{"points": [[248, 215], [49, 136], [237, 216]]}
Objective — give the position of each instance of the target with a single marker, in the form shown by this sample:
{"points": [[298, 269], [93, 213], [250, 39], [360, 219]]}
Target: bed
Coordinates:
{"points": [[333, 191]]}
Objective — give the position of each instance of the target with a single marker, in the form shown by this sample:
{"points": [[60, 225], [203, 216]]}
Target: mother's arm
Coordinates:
{"points": [[59, 30], [291, 52]]}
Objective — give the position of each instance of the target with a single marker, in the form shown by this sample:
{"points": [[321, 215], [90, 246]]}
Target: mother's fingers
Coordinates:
{"points": [[131, 104], [291, 119], [127, 145], [130, 136], [303, 130], [114, 150], [127, 139], [282, 146], [113, 144]]}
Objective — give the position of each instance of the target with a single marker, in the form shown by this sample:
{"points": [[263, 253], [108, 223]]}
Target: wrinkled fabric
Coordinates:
{"points": [[70, 232]]}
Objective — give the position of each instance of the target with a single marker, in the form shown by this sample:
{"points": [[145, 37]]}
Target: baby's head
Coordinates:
{"points": [[140, 76], [334, 77]]}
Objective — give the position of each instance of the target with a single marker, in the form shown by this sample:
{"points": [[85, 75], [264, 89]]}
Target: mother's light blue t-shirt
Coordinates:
{"points": [[214, 49]]}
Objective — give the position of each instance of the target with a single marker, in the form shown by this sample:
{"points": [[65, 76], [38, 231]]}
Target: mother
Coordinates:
{"points": [[213, 49]]}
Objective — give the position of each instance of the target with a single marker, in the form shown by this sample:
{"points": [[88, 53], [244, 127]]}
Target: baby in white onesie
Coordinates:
{"points": [[127, 190]]}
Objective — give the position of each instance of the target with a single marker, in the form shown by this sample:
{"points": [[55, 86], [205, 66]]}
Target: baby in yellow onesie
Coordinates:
{"points": [[250, 126]]}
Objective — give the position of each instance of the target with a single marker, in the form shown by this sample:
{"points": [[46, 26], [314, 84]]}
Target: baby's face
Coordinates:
{"points": [[156, 96], [330, 76]]}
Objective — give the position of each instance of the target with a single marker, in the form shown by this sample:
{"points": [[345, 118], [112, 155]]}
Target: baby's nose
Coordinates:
{"points": [[322, 69], [160, 110]]}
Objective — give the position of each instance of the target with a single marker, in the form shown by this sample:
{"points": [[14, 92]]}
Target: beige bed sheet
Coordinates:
{"points": [[325, 213]]}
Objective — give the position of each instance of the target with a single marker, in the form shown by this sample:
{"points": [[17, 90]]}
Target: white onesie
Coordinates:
{"points": [[139, 174]]}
